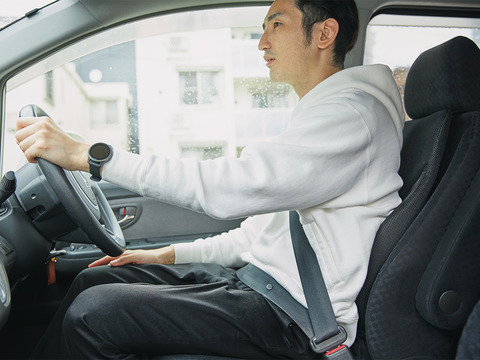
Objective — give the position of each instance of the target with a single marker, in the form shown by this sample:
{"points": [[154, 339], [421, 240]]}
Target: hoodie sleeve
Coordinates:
{"points": [[331, 139], [225, 249]]}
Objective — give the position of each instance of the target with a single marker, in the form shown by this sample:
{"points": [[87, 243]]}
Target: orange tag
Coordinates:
{"points": [[51, 278]]}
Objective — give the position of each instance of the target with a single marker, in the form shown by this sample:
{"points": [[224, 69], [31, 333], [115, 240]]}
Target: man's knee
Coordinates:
{"points": [[83, 308], [84, 320]]}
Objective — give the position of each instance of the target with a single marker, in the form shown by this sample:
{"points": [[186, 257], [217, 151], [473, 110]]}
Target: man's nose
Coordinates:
{"points": [[263, 44]]}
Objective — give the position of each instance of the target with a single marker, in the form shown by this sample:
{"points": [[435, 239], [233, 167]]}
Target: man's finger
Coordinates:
{"points": [[23, 122], [103, 261]]}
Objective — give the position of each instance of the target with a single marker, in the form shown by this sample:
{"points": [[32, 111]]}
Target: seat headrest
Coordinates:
{"points": [[444, 77]]}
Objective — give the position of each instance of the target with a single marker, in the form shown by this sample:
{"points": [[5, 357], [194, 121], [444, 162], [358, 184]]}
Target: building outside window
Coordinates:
{"points": [[199, 87], [49, 87], [104, 112]]}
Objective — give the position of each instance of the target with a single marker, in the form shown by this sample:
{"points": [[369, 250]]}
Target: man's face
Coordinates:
{"points": [[288, 57]]}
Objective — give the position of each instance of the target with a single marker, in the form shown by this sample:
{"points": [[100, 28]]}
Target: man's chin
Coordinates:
{"points": [[275, 76]]}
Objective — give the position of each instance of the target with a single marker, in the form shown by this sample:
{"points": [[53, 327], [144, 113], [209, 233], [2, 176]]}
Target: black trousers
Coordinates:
{"points": [[139, 311]]}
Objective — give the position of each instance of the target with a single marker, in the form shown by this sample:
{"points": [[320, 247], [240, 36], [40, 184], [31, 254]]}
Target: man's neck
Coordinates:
{"points": [[302, 88]]}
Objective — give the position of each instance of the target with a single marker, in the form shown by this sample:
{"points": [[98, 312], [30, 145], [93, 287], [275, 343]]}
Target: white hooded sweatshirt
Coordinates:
{"points": [[336, 163]]}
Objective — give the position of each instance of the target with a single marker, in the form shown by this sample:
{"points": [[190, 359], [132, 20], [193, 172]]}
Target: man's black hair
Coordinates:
{"points": [[346, 14]]}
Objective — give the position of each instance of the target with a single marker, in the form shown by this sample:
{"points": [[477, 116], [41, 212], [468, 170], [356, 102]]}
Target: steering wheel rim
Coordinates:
{"points": [[83, 200]]}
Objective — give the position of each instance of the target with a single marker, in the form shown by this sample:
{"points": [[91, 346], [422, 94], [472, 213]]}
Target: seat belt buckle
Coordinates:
{"points": [[341, 352], [329, 344]]}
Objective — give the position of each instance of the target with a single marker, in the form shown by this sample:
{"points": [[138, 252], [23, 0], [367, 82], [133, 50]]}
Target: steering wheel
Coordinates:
{"points": [[83, 200]]}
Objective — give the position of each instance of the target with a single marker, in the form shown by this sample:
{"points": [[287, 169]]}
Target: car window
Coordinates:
{"points": [[191, 84], [397, 40]]}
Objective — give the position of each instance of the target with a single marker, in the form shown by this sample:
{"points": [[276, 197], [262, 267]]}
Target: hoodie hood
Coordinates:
{"points": [[376, 80]]}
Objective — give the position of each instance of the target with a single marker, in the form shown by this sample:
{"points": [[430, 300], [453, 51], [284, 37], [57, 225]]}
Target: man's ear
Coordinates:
{"points": [[326, 33]]}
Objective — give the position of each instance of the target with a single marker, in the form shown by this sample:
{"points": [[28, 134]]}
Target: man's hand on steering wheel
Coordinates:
{"points": [[40, 137]]}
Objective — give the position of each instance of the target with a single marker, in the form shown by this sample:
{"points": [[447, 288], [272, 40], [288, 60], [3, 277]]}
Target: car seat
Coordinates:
{"points": [[469, 345], [422, 281]]}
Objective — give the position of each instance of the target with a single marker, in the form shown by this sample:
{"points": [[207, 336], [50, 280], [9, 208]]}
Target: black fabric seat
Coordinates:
{"points": [[469, 344], [422, 281]]}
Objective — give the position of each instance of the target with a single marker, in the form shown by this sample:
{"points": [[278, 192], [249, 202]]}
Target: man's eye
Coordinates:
{"points": [[276, 24]]}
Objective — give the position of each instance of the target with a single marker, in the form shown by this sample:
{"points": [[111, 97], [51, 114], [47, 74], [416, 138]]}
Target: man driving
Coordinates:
{"points": [[336, 164]]}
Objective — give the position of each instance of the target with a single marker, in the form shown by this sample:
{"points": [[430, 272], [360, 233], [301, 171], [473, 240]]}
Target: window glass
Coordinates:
{"points": [[397, 40], [191, 84], [199, 87]]}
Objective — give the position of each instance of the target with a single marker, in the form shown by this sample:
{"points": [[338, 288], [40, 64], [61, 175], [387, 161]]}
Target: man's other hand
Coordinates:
{"points": [[165, 255]]}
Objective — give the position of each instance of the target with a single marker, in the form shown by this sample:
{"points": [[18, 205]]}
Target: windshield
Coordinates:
{"points": [[11, 10]]}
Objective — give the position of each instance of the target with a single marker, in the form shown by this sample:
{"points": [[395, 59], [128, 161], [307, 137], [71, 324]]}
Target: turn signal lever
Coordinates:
{"points": [[7, 186]]}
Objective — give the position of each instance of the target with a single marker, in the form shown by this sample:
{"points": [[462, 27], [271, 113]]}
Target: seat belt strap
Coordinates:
{"points": [[328, 335], [266, 285], [318, 322]]}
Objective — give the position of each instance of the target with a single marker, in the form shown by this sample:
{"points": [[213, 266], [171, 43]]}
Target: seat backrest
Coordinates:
{"points": [[409, 305], [469, 344]]}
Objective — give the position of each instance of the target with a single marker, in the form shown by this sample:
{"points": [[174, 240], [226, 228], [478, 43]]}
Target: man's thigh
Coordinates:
{"points": [[155, 274], [213, 317]]}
